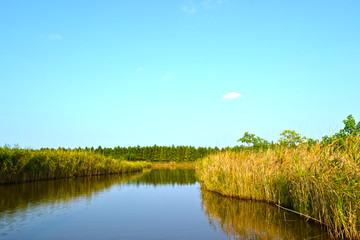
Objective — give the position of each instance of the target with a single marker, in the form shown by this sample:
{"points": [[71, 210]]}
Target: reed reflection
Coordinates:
{"points": [[17, 197], [244, 219]]}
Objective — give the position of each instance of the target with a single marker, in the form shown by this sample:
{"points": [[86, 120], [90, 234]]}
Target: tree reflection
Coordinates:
{"points": [[177, 176]]}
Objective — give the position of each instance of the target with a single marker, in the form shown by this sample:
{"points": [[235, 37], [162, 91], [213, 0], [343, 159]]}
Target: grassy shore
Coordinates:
{"points": [[319, 182], [21, 165]]}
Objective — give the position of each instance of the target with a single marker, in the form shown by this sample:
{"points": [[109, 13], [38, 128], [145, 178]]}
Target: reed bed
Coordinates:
{"points": [[319, 182], [22, 165]]}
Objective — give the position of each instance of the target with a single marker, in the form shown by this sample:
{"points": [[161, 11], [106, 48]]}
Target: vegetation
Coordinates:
{"points": [[156, 153], [174, 165], [338, 139], [319, 180], [288, 138], [291, 138], [20, 165], [253, 141]]}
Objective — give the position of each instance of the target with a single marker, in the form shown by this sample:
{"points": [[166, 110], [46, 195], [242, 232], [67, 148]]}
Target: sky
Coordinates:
{"points": [[201, 73]]}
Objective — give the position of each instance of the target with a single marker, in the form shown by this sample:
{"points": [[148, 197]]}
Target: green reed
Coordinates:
{"points": [[21, 165], [317, 181]]}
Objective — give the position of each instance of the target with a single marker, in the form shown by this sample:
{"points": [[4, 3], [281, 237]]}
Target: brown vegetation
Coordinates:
{"points": [[319, 181]]}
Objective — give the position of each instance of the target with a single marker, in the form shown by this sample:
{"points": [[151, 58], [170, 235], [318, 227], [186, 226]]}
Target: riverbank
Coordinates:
{"points": [[23, 165], [319, 182], [174, 165]]}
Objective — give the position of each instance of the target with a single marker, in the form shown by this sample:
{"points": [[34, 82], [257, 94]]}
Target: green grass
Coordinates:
{"points": [[320, 182], [21, 165]]}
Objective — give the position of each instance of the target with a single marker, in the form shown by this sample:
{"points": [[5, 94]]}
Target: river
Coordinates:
{"points": [[154, 204]]}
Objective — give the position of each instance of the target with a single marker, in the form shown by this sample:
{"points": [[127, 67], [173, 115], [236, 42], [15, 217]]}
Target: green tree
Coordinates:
{"points": [[312, 142], [252, 141], [350, 128], [291, 138]]}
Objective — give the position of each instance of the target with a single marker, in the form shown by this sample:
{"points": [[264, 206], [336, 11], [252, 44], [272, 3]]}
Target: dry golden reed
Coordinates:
{"points": [[320, 182]]}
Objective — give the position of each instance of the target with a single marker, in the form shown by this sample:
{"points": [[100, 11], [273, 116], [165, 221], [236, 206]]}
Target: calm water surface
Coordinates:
{"points": [[156, 204]]}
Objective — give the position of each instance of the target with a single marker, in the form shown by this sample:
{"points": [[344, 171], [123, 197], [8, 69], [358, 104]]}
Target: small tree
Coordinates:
{"points": [[291, 138], [350, 128], [312, 142], [252, 140]]}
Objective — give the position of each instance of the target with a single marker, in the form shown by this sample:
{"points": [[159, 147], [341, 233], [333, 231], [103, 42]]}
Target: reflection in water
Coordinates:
{"points": [[244, 219], [19, 196], [21, 203], [25, 207], [177, 176], [15, 197]]}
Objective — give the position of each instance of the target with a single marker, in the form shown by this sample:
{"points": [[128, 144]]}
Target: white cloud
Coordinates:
{"points": [[140, 69], [232, 95], [54, 36], [165, 78], [189, 9]]}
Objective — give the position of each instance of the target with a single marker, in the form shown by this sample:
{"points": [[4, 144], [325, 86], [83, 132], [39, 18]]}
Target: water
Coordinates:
{"points": [[156, 204]]}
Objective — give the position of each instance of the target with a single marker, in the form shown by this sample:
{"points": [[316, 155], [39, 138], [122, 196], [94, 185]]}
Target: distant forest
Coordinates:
{"points": [[155, 153]]}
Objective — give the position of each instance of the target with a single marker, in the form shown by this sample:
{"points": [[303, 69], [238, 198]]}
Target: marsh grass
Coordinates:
{"points": [[320, 182], [22, 165]]}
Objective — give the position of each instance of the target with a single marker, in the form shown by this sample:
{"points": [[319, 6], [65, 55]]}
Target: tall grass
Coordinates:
{"points": [[320, 182], [21, 165]]}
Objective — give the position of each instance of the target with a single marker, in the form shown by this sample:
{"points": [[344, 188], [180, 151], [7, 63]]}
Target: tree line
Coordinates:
{"points": [[154, 153], [158, 153], [291, 138]]}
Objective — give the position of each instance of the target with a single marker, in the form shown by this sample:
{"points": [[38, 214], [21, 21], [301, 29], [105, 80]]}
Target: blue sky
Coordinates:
{"points": [[109, 73]]}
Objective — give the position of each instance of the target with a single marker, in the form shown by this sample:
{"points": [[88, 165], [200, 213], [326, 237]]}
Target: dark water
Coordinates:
{"points": [[156, 204]]}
